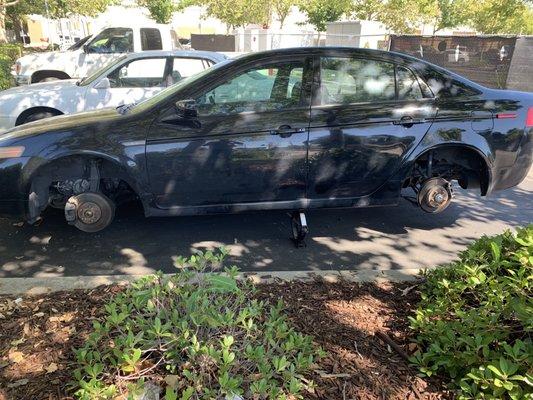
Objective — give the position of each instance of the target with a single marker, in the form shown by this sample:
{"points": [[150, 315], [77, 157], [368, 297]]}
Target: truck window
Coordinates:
{"points": [[112, 40], [151, 39]]}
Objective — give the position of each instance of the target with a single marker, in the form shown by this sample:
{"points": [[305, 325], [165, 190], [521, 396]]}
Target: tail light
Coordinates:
{"points": [[529, 118]]}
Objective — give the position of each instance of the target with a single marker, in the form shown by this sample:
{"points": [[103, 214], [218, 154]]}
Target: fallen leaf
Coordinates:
{"points": [[15, 343], [16, 356], [51, 368], [172, 380], [39, 314], [20, 382]]}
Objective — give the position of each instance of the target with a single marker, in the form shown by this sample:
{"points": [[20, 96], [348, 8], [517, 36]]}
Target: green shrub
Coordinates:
{"points": [[475, 319], [202, 336], [8, 55]]}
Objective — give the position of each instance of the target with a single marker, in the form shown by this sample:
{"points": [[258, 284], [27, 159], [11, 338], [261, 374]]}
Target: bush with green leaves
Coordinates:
{"points": [[200, 335], [474, 322], [8, 55]]}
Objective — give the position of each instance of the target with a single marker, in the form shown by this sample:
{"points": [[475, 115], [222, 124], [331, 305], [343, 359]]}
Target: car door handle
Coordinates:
{"points": [[408, 121], [285, 131]]}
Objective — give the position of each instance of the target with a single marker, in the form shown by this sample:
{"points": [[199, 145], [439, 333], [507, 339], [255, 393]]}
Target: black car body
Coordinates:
{"points": [[287, 129]]}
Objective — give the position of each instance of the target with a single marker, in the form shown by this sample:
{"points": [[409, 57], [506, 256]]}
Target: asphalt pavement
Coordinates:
{"points": [[401, 237]]}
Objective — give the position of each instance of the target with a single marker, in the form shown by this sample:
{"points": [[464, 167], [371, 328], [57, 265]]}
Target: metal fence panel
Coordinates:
{"points": [[483, 59]]}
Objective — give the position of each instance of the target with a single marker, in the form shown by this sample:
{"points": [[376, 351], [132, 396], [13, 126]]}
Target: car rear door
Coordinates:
{"points": [[367, 115], [248, 143]]}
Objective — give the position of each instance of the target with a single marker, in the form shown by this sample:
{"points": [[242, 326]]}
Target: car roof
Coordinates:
{"points": [[210, 55]]}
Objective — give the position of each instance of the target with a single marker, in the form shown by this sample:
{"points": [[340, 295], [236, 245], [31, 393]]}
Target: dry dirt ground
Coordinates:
{"points": [[38, 334]]}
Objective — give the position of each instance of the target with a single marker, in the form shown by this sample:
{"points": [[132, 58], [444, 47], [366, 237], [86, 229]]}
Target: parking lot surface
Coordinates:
{"points": [[400, 237]]}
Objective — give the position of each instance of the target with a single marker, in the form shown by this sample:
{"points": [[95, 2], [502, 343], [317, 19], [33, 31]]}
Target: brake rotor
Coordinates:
{"points": [[435, 195]]}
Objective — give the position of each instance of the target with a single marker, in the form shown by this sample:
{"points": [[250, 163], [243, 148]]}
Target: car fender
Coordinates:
{"points": [[64, 61]]}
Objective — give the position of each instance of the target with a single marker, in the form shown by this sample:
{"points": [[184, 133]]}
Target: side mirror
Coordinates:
{"points": [[85, 48], [187, 108], [104, 84]]}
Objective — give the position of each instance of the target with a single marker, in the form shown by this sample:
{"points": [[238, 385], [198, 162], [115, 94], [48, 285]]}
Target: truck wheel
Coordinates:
{"points": [[90, 212], [37, 116]]}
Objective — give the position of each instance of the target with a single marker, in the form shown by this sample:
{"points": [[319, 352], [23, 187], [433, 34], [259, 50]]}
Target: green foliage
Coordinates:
{"points": [[204, 334], [237, 13], [8, 54], [475, 319], [320, 12], [160, 10]]}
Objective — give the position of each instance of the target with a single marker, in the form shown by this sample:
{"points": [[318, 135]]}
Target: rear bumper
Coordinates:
{"points": [[508, 177]]}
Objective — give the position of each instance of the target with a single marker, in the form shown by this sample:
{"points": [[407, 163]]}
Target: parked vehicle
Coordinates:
{"points": [[287, 129], [98, 51], [130, 78]]}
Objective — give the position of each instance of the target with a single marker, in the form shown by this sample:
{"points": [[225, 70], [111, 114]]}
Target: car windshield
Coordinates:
{"points": [[91, 78], [79, 43], [169, 92]]}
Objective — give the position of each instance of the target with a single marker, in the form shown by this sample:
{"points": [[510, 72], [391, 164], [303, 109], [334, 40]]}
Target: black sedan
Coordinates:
{"points": [[288, 129]]}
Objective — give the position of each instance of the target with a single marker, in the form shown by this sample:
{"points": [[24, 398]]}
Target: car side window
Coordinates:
{"points": [[146, 72], [112, 40], [266, 88], [151, 39], [408, 85], [351, 80], [185, 67]]}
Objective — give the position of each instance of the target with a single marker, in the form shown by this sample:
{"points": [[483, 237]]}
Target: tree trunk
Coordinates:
{"points": [[3, 35]]}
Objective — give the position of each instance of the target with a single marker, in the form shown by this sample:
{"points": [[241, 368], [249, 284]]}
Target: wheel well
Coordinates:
{"points": [[26, 113], [39, 75], [55, 182], [460, 163]]}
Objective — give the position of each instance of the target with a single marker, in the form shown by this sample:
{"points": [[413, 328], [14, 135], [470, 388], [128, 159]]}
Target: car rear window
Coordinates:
{"points": [[151, 39]]}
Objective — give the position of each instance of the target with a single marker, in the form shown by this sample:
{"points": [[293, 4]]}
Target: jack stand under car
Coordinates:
{"points": [[299, 228]]}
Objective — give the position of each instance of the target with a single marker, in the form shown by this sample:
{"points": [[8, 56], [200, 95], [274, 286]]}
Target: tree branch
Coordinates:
{"points": [[9, 3]]}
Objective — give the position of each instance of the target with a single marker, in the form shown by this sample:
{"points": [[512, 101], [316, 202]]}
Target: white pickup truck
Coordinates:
{"points": [[98, 51]]}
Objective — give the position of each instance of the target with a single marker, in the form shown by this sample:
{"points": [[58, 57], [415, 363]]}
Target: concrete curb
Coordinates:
{"points": [[36, 286]]}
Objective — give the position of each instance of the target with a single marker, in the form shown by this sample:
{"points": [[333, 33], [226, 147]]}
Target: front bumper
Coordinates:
{"points": [[13, 196]]}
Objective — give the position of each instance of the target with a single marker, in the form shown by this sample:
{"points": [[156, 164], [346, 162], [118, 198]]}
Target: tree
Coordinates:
{"points": [[237, 13], [281, 8], [320, 12], [368, 10], [4, 4], [502, 16], [160, 10], [15, 10]]}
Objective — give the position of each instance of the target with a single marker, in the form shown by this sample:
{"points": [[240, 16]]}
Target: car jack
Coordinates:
{"points": [[299, 228]]}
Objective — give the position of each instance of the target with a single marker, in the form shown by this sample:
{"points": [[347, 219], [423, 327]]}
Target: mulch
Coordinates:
{"points": [[362, 327]]}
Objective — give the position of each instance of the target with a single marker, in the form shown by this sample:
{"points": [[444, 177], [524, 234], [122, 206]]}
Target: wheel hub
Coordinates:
{"points": [[435, 195], [89, 213]]}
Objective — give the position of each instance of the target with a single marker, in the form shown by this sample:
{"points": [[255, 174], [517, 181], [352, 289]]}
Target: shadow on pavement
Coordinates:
{"points": [[373, 238]]}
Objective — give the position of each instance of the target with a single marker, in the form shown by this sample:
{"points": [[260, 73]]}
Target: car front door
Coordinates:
{"points": [[131, 82], [247, 144], [367, 115]]}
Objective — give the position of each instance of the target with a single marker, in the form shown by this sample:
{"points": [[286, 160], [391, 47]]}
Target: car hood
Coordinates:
{"points": [[61, 123], [41, 88]]}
